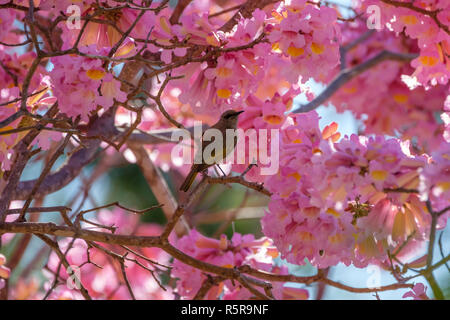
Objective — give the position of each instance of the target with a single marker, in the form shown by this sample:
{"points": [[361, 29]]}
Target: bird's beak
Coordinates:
{"points": [[239, 112]]}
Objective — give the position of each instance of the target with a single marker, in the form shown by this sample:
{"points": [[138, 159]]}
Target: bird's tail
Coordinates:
{"points": [[189, 180]]}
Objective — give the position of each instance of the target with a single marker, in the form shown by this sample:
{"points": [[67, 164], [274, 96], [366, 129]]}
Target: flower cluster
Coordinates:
{"points": [[282, 45], [417, 293], [227, 81], [240, 250], [104, 35], [82, 85], [6, 22], [339, 201], [14, 70], [435, 180], [4, 271]]}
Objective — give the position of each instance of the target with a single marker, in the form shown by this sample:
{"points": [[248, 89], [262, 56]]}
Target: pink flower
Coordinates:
{"points": [[431, 67], [418, 292]]}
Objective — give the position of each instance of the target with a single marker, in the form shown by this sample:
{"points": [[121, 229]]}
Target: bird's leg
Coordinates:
{"points": [[220, 170]]}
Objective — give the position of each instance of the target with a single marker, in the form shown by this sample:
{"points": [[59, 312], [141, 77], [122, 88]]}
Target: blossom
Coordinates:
{"points": [[240, 250], [418, 292]]}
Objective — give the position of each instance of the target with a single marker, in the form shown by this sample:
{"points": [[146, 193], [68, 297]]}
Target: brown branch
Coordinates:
{"points": [[125, 278], [341, 286], [56, 181], [158, 101], [12, 118], [400, 190], [21, 247], [243, 281]]}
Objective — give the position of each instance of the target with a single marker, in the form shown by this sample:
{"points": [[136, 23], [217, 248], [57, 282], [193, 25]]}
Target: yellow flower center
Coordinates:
{"points": [[95, 74], [273, 119]]}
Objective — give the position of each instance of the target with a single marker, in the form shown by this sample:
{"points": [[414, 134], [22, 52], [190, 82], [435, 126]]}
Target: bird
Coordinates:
{"points": [[228, 120]]}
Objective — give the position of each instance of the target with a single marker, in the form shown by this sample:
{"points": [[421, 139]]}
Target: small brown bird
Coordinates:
{"points": [[228, 120]]}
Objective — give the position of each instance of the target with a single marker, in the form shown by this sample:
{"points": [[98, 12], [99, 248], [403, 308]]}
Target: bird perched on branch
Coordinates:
{"points": [[228, 120]]}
